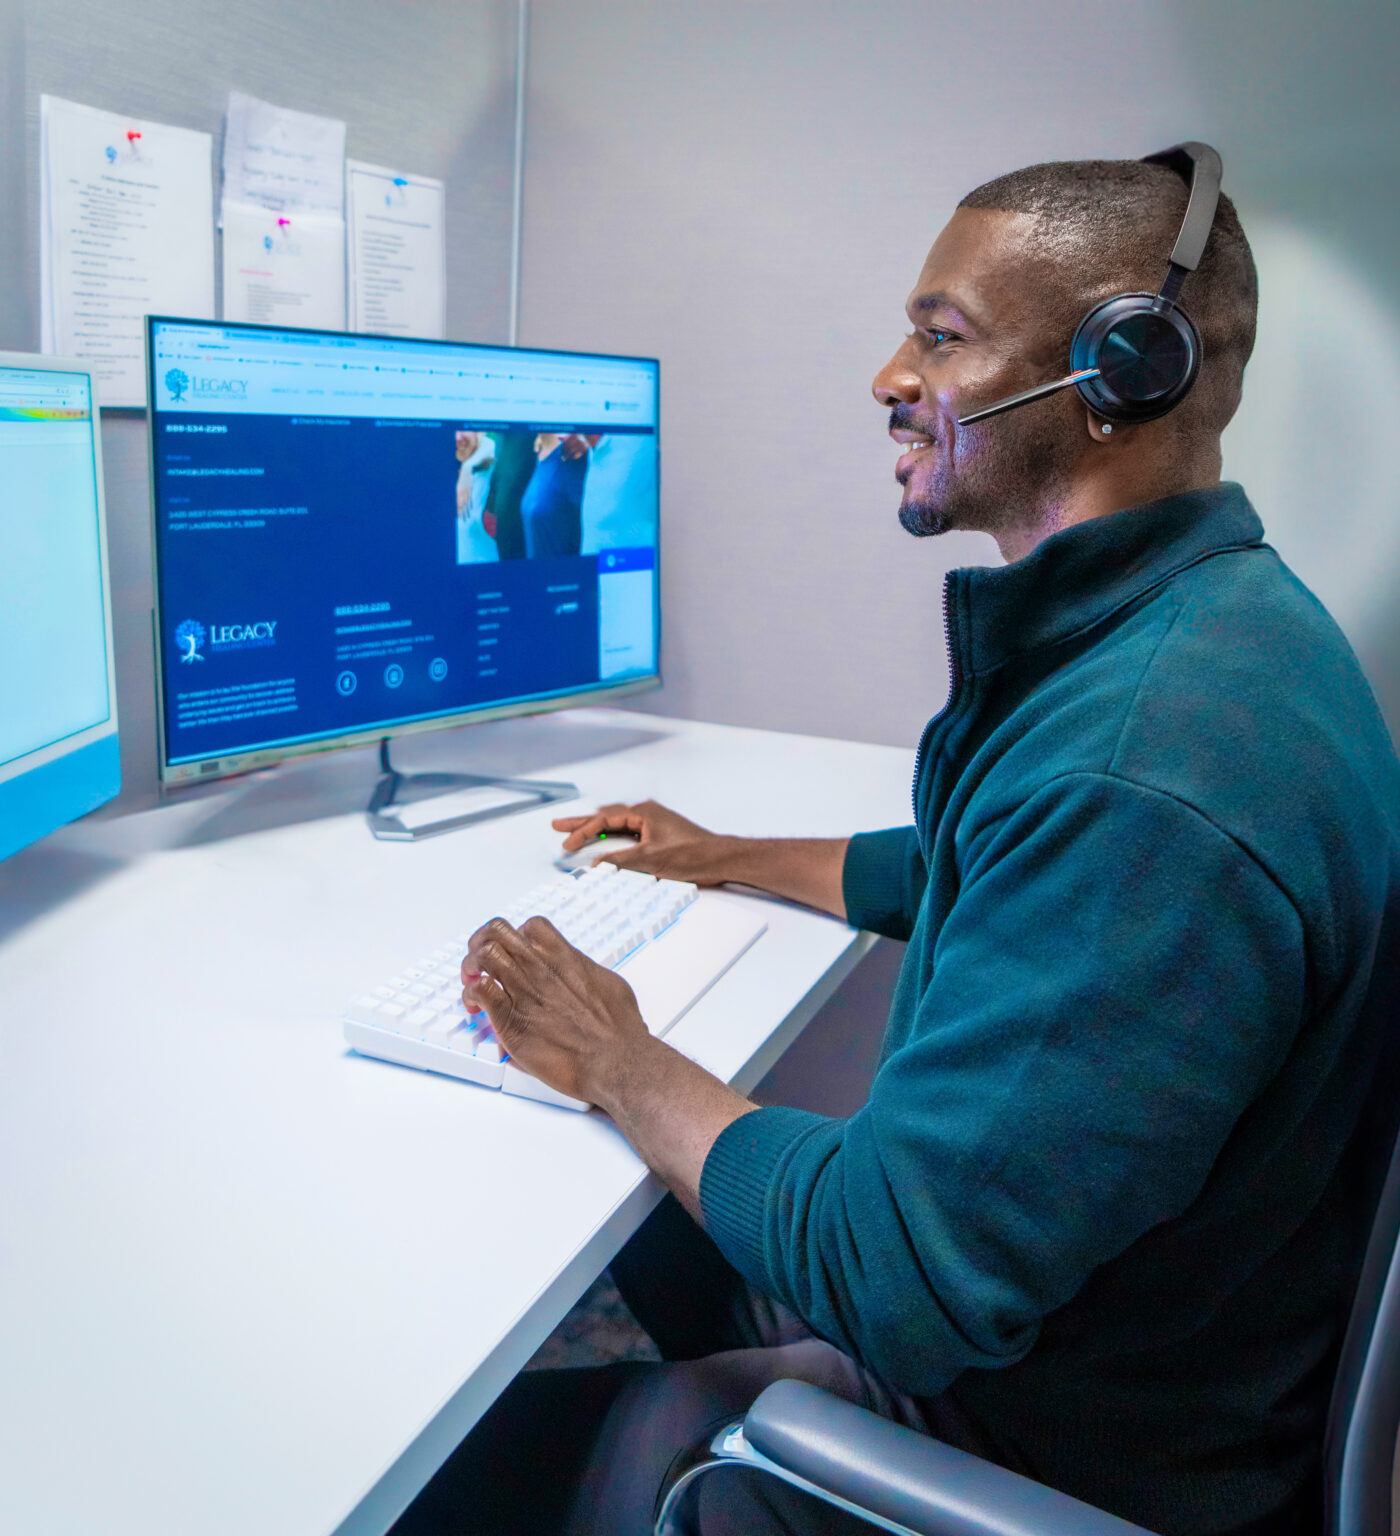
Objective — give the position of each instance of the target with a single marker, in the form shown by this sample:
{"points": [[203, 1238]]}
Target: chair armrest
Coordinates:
{"points": [[906, 1477]]}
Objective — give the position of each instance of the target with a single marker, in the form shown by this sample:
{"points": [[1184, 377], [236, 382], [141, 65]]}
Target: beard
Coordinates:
{"points": [[1007, 470]]}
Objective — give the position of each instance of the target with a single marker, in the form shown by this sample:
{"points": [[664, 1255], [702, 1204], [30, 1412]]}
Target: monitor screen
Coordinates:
{"points": [[358, 536], [58, 743]]}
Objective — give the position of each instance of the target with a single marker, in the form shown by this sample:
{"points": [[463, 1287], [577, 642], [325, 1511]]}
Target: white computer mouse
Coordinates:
{"points": [[605, 842]]}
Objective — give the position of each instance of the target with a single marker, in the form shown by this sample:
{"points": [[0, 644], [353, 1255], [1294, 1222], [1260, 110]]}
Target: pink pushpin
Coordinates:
{"points": [[281, 222]]}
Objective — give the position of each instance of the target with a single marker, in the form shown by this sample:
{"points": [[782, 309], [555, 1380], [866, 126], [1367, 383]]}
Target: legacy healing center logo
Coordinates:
{"points": [[191, 634], [181, 387]]}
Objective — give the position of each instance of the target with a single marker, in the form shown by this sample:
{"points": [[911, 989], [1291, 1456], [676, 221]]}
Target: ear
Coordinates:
{"points": [[1101, 431]]}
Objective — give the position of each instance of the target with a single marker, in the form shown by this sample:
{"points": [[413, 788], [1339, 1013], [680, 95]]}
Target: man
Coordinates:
{"points": [[1101, 1217]]}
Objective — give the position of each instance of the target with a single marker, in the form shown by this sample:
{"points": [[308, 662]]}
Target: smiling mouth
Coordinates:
{"points": [[911, 445]]}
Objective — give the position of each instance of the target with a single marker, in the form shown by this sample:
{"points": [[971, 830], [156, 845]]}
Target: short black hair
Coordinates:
{"points": [[1109, 226]]}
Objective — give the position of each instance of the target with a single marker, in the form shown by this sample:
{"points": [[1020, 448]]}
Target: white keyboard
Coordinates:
{"points": [[670, 941]]}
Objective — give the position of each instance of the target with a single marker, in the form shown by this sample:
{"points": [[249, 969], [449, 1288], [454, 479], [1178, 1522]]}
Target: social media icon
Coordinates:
{"points": [[393, 675], [437, 669], [345, 684]]}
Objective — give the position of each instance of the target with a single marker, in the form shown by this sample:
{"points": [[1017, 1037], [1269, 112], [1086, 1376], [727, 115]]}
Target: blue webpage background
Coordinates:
{"points": [[310, 586]]}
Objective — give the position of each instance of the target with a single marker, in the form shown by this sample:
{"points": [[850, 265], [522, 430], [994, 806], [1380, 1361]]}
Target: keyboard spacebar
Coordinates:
{"points": [[679, 966]]}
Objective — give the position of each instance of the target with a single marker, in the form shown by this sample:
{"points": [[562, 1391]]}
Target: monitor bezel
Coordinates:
{"points": [[225, 765], [75, 741]]}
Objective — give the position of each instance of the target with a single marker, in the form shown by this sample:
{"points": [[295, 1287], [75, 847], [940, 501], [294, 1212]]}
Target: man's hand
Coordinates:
{"points": [[577, 1027], [806, 869], [669, 846], [565, 1019]]}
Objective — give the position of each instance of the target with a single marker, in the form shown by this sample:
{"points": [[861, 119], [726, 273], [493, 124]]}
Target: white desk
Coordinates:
{"points": [[251, 1284]]}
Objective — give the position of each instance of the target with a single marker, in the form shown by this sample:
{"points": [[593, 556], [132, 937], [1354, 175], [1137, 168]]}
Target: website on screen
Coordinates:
{"points": [[355, 532]]}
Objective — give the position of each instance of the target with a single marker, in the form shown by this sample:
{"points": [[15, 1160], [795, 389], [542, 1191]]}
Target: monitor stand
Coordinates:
{"points": [[398, 812]]}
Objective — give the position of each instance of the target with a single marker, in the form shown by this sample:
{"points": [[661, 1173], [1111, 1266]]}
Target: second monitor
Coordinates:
{"points": [[359, 536]]}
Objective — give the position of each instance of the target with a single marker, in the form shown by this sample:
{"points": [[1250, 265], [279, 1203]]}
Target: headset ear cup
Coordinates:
{"points": [[1147, 351]]}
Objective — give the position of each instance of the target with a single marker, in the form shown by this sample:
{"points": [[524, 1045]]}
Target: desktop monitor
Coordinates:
{"points": [[58, 699], [362, 536]]}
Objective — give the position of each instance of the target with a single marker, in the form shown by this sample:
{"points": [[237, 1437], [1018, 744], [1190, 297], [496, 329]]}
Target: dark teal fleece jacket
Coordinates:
{"points": [[1112, 1182]]}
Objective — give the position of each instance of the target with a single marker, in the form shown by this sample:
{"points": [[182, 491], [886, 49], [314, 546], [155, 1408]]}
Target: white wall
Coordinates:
{"points": [[748, 190]]}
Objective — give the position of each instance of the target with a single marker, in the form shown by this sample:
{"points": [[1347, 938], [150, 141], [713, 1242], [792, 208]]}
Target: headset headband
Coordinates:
{"points": [[1199, 167]]}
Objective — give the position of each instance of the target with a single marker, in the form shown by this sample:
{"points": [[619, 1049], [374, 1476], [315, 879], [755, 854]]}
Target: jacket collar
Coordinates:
{"points": [[1078, 577]]}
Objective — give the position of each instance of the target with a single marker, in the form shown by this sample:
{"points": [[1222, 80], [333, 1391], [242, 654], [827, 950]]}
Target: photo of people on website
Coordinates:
{"points": [[527, 495]]}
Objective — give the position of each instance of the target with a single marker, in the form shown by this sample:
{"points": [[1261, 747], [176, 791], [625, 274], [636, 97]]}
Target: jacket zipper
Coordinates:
{"points": [[954, 681]]}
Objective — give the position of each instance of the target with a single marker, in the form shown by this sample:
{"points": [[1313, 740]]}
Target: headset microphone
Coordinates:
{"points": [[1136, 355]]}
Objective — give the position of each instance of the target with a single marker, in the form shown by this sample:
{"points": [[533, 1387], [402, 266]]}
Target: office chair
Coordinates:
{"points": [[901, 1481]]}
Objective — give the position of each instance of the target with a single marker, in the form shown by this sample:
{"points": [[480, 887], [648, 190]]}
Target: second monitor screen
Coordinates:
{"points": [[355, 532]]}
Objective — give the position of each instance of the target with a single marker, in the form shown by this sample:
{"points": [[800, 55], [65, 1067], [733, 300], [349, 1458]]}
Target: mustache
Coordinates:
{"points": [[903, 419]]}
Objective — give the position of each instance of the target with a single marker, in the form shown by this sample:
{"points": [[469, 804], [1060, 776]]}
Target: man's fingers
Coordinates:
{"points": [[568, 823], [495, 947], [565, 823], [539, 929], [482, 992], [612, 818], [585, 830], [551, 947], [545, 937]]}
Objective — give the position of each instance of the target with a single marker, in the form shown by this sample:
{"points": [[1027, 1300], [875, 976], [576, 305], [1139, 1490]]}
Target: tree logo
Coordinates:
{"points": [[190, 636], [177, 381]]}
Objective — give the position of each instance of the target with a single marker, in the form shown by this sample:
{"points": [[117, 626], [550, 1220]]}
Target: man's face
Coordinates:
{"points": [[982, 327]]}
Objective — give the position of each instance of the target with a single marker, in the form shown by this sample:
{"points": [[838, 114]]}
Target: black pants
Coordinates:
{"points": [[588, 1450]]}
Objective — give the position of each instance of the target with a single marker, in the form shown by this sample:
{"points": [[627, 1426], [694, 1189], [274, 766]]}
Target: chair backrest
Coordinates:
{"points": [[1364, 1419]]}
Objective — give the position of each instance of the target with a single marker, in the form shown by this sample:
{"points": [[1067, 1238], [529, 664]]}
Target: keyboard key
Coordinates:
{"points": [[437, 1027]]}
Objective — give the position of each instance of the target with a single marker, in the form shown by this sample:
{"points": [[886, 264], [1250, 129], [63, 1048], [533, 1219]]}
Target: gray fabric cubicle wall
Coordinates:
{"points": [[750, 190], [423, 86]]}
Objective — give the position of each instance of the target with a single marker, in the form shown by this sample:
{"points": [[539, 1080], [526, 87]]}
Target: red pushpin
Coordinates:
{"points": [[132, 135]]}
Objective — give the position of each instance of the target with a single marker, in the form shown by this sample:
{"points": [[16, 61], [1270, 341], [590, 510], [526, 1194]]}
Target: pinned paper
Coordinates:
{"points": [[126, 230], [395, 252], [276, 158], [283, 215], [281, 270]]}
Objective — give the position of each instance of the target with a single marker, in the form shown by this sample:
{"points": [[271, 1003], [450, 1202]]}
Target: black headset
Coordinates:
{"points": [[1136, 355]]}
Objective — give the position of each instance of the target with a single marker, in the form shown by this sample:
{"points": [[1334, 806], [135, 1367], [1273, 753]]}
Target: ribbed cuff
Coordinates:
{"points": [[737, 1180], [872, 879]]}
